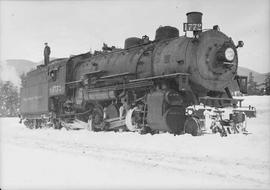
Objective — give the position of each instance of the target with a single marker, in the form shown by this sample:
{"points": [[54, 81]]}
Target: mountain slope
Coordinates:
{"points": [[21, 65], [258, 77]]}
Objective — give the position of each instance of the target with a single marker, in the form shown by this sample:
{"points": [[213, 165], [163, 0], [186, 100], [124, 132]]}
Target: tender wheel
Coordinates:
{"points": [[192, 126], [29, 123]]}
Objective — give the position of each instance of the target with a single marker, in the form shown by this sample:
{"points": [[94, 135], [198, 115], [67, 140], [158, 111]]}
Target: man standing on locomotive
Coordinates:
{"points": [[47, 52]]}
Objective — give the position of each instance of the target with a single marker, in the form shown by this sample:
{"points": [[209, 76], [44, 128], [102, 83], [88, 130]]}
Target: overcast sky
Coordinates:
{"points": [[73, 27]]}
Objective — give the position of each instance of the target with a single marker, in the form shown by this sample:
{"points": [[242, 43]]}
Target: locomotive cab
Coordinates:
{"points": [[57, 77]]}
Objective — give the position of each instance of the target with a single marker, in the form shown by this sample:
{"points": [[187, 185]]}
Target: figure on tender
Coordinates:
{"points": [[47, 52]]}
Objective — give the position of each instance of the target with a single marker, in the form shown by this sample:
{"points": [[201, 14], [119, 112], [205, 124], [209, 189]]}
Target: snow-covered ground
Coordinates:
{"points": [[60, 159]]}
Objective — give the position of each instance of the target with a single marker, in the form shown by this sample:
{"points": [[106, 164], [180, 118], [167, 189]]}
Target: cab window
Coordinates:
{"points": [[53, 75]]}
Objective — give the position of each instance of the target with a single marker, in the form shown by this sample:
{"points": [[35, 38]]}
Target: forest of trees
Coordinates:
{"points": [[9, 99], [258, 89], [267, 84]]}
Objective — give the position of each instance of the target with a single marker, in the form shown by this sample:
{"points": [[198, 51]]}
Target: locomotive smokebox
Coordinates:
{"points": [[194, 18]]}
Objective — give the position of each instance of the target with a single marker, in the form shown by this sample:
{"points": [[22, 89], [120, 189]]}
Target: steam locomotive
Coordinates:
{"points": [[145, 87]]}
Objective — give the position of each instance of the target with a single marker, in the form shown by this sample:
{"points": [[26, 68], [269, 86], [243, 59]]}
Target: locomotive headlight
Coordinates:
{"points": [[229, 54]]}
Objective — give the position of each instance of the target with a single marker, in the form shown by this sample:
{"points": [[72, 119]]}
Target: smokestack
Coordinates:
{"points": [[194, 23], [194, 18]]}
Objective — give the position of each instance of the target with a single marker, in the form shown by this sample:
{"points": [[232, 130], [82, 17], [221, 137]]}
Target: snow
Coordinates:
{"points": [[60, 159]]}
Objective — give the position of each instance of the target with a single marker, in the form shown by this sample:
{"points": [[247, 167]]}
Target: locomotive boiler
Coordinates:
{"points": [[145, 87]]}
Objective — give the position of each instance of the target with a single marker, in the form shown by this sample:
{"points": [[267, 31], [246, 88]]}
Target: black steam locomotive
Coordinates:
{"points": [[146, 86]]}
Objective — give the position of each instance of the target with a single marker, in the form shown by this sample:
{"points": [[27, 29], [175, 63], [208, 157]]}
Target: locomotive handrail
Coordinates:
{"points": [[122, 86], [116, 75], [232, 100], [73, 82], [95, 72], [160, 76], [213, 98]]}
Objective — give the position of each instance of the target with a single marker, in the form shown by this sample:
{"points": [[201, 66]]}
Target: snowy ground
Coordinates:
{"points": [[60, 159]]}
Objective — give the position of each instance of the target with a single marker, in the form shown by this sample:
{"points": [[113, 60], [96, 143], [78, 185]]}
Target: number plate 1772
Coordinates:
{"points": [[192, 27]]}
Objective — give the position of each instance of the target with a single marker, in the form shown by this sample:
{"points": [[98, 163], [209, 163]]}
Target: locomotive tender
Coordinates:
{"points": [[146, 86]]}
